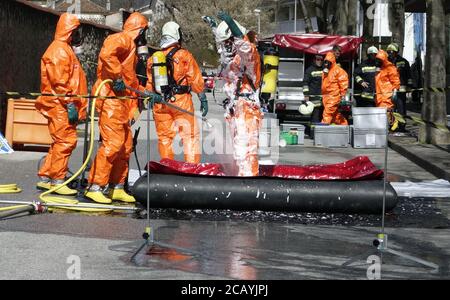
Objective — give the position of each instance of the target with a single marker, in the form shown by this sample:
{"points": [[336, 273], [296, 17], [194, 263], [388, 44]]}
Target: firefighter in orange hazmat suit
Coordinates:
{"points": [[62, 74], [388, 84], [335, 83], [185, 77], [117, 61]]}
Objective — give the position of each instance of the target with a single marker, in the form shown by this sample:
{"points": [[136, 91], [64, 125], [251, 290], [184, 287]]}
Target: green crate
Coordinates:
{"points": [[291, 138]]}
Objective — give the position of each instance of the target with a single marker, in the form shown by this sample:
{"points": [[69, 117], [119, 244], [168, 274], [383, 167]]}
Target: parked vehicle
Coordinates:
{"points": [[296, 53]]}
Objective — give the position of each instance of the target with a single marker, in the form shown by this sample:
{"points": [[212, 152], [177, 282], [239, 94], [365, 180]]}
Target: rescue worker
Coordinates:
{"points": [[335, 83], [185, 77], [242, 74], [365, 77], [404, 70], [337, 51], [117, 61], [62, 74], [387, 85], [312, 87]]}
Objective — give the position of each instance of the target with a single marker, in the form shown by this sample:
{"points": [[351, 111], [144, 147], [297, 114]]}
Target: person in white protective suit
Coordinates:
{"points": [[241, 65]]}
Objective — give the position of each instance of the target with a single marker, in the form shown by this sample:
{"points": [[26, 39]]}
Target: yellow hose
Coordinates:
{"points": [[58, 200], [10, 189]]}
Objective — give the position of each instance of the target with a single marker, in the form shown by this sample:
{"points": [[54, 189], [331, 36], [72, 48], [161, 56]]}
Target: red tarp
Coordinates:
{"points": [[318, 43], [360, 168]]}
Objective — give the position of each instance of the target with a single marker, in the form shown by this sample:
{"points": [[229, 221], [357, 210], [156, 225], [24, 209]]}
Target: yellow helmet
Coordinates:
{"points": [[393, 47]]}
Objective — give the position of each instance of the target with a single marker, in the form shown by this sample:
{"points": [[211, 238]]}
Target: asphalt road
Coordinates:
{"points": [[222, 244]]}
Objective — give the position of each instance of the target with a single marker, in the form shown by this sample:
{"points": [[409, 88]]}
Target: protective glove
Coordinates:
{"points": [[395, 96], [72, 113], [210, 21], [204, 104], [119, 85], [235, 31], [153, 98]]}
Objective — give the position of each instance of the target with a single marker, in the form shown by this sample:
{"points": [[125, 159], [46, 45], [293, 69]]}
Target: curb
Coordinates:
{"points": [[420, 161]]}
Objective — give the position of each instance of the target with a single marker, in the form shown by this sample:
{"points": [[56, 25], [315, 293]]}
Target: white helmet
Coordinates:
{"points": [[223, 32], [372, 50], [173, 30], [307, 109]]}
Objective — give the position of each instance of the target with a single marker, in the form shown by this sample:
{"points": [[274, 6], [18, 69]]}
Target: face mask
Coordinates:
{"points": [[326, 67], [141, 40], [391, 57], [378, 64], [77, 37]]}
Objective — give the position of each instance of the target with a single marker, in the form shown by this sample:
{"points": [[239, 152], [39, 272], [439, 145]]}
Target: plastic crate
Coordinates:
{"points": [[25, 125], [332, 136], [369, 138], [369, 117]]}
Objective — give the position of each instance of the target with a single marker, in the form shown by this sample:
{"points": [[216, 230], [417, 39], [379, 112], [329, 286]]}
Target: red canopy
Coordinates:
{"points": [[318, 43]]}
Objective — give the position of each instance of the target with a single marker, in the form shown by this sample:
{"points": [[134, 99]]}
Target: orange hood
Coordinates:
{"points": [[134, 24], [331, 58], [383, 56], [66, 25]]}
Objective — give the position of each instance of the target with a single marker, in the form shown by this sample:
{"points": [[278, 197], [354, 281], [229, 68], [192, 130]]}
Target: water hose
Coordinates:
{"points": [[10, 189], [51, 202], [42, 206], [72, 204]]}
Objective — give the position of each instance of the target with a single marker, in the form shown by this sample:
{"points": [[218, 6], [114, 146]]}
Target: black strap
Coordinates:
{"points": [[170, 68]]}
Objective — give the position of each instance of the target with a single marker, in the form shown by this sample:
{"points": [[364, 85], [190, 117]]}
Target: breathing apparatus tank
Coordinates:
{"points": [[270, 78], [159, 72]]}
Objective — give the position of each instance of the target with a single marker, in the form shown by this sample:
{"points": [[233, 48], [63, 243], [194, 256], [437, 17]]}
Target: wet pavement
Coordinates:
{"points": [[224, 244], [211, 249]]}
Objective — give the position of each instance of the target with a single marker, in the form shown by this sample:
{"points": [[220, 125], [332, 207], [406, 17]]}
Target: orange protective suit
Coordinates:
{"points": [[387, 80], [62, 74], [117, 59], [334, 87], [244, 115], [186, 72]]}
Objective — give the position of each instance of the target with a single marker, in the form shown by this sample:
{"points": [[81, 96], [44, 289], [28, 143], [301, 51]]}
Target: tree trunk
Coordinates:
{"points": [[341, 25], [448, 60], [331, 7], [320, 11], [352, 17], [308, 24], [368, 26], [435, 108], [397, 22]]}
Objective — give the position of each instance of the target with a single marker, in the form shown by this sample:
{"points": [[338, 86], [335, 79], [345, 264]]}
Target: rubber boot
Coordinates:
{"points": [[95, 194], [119, 194], [98, 197], [44, 184]]}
